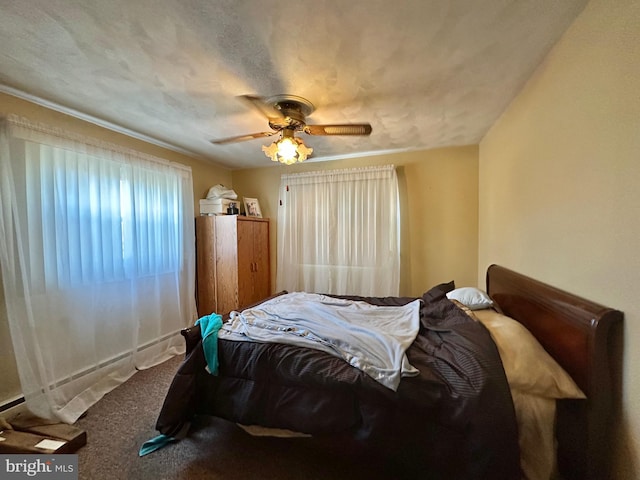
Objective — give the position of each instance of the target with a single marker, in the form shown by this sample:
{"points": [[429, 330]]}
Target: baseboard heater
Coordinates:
{"points": [[20, 400], [11, 404]]}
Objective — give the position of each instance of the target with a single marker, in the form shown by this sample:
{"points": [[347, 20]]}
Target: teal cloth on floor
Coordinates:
{"points": [[162, 440], [209, 327], [154, 444]]}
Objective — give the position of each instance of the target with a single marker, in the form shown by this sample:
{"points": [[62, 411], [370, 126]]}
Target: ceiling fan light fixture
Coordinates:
{"points": [[286, 115], [288, 149]]}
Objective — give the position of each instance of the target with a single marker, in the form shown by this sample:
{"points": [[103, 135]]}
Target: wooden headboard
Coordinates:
{"points": [[577, 333]]}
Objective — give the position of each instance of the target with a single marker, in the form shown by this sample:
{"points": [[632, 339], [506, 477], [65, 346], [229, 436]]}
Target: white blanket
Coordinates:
{"points": [[371, 338]]}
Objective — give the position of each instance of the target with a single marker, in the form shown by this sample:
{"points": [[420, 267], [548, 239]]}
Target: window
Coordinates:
{"points": [[338, 232], [99, 259], [91, 219]]}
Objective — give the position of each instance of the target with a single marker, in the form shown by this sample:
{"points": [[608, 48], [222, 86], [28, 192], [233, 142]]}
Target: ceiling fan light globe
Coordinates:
{"points": [[303, 151], [271, 151], [287, 150]]}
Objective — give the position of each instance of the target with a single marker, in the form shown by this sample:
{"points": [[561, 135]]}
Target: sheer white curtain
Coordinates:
{"points": [[97, 263], [338, 232]]}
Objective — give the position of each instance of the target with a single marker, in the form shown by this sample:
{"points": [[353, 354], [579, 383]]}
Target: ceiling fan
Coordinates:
{"points": [[287, 114]]}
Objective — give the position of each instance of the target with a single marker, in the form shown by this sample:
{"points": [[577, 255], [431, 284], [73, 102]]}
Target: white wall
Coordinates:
{"points": [[559, 189]]}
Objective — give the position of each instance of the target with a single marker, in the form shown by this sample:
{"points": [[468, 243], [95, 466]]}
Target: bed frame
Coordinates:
{"points": [[578, 333]]}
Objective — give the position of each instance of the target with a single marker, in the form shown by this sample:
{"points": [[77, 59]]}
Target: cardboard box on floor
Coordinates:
{"points": [[31, 434]]}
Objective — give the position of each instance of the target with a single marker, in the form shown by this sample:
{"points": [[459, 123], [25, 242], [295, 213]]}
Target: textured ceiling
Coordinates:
{"points": [[424, 73]]}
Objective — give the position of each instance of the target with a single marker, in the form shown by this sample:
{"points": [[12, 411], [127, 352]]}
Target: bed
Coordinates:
{"points": [[581, 336], [455, 419]]}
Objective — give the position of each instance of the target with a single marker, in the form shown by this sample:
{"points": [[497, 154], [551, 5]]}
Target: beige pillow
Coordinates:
{"points": [[536, 420], [527, 364]]}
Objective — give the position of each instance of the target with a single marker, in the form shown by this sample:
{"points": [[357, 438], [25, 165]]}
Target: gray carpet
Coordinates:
{"points": [[214, 449]]}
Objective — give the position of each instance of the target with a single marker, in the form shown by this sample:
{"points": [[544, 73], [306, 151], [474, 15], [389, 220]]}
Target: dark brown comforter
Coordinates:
{"points": [[453, 421]]}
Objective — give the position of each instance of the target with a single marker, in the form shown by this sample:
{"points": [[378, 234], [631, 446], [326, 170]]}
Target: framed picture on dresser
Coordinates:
{"points": [[252, 207]]}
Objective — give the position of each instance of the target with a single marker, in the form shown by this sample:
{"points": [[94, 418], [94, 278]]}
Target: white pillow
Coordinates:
{"points": [[473, 298], [527, 364]]}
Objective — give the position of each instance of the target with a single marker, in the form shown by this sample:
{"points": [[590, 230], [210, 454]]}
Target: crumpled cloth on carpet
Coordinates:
{"points": [[209, 326]]}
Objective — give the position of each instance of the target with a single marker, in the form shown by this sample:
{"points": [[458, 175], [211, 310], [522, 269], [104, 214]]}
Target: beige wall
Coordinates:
{"points": [[560, 185], [439, 201], [204, 176]]}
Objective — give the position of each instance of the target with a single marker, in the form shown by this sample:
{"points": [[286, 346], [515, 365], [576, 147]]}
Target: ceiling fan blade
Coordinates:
{"points": [[339, 129], [242, 138], [266, 109]]}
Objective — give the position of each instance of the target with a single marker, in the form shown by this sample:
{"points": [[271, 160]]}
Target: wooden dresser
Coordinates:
{"points": [[232, 262]]}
